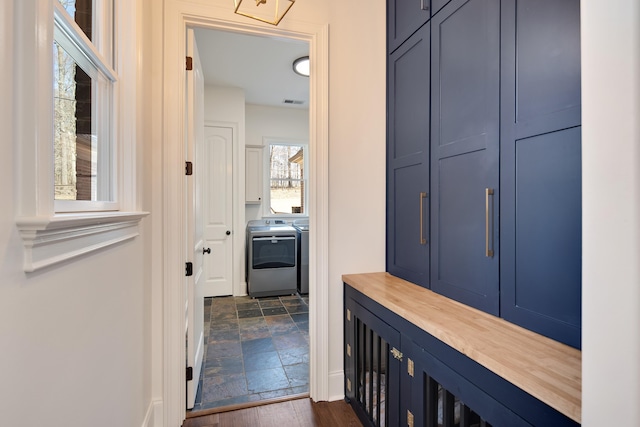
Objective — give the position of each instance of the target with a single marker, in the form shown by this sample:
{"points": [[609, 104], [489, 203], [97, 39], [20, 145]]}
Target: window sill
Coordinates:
{"points": [[58, 238]]}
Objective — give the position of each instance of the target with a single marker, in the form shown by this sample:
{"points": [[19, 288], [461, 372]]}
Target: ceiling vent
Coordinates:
{"points": [[293, 102]]}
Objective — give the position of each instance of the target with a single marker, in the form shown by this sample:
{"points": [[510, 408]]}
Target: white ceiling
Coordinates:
{"points": [[262, 66]]}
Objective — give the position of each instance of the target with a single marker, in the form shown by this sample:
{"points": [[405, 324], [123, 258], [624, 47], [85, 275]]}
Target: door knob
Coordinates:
{"points": [[206, 251], [228, 233]]}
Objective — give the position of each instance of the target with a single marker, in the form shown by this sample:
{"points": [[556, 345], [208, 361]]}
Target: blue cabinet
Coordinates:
{"points": [[540, 228], [484, 156], [408, 159], [465, 91], [404, 17], [372, 374], [437, 5]]}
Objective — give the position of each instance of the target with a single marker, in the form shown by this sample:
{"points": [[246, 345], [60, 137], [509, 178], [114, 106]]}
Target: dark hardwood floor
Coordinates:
{"points": [[290, 413]]}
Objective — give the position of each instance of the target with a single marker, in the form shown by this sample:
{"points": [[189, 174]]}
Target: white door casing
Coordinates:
{"points": [[177, 16], [217, 165], [194, 301]]}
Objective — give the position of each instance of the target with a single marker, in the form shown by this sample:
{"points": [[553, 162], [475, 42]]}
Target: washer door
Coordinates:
{"points": [[274, 252]]}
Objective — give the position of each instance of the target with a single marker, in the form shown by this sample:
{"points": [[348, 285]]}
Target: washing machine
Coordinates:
{"points": [[302, 230], [272, 258]]}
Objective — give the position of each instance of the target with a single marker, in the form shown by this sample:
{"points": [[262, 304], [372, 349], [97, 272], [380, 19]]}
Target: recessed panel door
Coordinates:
{"points": [[404, 17], [408, 160], [541, 182], [217, 207], [465, 70]]}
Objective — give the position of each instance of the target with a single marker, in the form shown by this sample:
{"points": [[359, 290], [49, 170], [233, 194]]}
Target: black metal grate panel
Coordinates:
{"points": [[371, 368], [444, 409]]}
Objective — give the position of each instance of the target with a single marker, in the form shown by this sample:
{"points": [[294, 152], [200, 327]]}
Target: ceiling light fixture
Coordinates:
{"points": [[301, 66], [272, 13]]}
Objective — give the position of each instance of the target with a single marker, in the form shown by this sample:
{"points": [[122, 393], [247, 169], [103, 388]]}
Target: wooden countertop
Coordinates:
{"points": [[546, 369]]}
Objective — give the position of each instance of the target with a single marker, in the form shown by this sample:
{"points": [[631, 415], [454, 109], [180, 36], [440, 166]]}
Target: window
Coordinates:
{"points": [[83, 85], [286, 166], [75, 135]]}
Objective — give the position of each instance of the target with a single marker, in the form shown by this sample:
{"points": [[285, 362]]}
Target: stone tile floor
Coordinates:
{"points": [[255, 349]]}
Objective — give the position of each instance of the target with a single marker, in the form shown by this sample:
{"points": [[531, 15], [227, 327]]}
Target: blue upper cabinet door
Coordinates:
{"points": [[408, 160], [541, 168], [436, 5], [465, 69], [404, 17]]}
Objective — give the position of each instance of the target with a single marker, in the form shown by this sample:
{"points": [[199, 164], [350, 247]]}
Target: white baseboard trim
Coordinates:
{"points": [[153, 417], [241, 290], [336, 385]]}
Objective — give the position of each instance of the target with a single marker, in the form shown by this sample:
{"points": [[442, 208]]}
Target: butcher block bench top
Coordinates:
{"points": [[546, 369]]}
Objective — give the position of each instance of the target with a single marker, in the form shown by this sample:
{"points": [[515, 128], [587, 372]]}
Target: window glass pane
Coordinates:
{"points": [[81, 165], [287, 181], [82, 12], [287, 196]]}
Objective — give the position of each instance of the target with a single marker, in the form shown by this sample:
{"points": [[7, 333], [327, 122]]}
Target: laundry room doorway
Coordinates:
{"points": [[256, 345], [177, 18]]}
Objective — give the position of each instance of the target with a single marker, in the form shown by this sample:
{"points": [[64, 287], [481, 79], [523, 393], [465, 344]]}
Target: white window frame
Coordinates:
{"points": [[268, 142], [52, 237], [88, 56]]}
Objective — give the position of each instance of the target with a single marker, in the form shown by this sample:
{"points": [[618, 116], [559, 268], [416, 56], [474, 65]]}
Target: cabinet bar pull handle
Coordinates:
{"points": [[487, 219], [423, 196], [423, 5]]}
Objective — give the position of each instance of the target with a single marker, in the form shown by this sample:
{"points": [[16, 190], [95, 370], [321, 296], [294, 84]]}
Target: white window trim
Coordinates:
{"points": [[267, 142], [86, 54], [79, 45], [49, 237]]}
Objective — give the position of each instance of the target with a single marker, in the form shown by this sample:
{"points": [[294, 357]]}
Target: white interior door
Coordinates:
{"points": [[194, 298], [218, 210]]}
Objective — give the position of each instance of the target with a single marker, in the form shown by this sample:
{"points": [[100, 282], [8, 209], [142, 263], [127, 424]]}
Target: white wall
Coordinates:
{"points": [[273, 122], [224, 104], [611, 212], [150, 201], [152, 187], [357, 120], [74, 338]]}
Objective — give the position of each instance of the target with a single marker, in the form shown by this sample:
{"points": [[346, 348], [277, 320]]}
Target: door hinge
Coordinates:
{"points": [[410, 367], [409, 418], [188, 169], [349, 350], [397, 354], [348, 384], [348, 315], [189, 269], [189, 63], [189, 373]]}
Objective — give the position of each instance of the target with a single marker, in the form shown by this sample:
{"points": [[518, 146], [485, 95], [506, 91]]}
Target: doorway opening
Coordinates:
{"points": [[258, 349], [255, 349]]}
